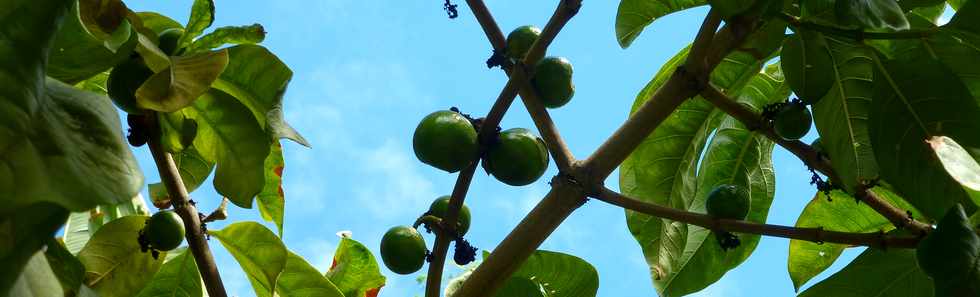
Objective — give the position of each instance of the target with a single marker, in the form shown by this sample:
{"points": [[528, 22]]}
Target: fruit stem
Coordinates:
{"points": [[818, 235], [445, 233], [187, 211]]}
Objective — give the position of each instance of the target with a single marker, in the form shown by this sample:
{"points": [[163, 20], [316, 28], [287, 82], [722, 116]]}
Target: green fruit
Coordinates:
{"points": [[439, 207], [124, 80], [728, 202], [403, 250], [446, 140], [792, 121], [164, 230], [518, 158], [520, 40], [807, 65], [168, 40], [553, 81]]}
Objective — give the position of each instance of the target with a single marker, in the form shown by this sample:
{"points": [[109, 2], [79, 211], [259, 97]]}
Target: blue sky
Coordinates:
{"points": [[367, 71]]}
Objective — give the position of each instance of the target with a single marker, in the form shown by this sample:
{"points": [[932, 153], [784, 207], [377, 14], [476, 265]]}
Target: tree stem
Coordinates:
{"points": [[185, 208]]}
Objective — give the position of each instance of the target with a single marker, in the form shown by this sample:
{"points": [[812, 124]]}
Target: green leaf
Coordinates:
{"points": [[257, 78], [635, 15], [193, 169], [299, 278], [157, 22], [807, 259], [65, 266], [103, 17], [355, 270], [841, 116], [252, 34], [877, 15], [95, 84], [37, 280], [956, 4], [958, 162], [560, 275], [807, 65], [915, 99], [883, 273], [202, 16], [966, 17], [951, 255], [23, 231], [735, 156], [81, 225], [229, 136], [114, 263], [77, 55], [187, 78], [178, 277], [520, 287], [908, 5], [260, 253], [272, 201]]}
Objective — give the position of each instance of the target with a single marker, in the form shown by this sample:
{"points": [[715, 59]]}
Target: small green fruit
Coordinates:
{"points": [[124, 80], [403, 250], [446, 140], [792, 121], [520, 40], [728, 202], [518, 158], [164, 230], [553, 81], [168, 40], [439, 207]]}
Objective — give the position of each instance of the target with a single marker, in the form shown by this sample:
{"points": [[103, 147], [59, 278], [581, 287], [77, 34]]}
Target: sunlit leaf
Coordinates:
{"points": [[178, 277], [635, 15], [259, 251], [37, 280], [883, 273], [299, 278], [354, 270], [202, 16], [251, 34], [114, 263], [272, 203], [187, 78]]}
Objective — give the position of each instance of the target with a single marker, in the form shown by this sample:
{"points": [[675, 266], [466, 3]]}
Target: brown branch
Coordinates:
{"points": [[186, 209], [819, 235], [433, 281], [810, 157]]}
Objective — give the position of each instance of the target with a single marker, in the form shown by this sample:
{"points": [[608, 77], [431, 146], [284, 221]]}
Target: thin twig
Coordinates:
{"points": [[818, 235], [187, 211]]}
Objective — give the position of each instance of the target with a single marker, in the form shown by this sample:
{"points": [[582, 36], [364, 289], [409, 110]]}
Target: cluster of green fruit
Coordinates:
{"points": [[403, 250], [128, 76], [728, 202], [164, 231], [552, 77]]}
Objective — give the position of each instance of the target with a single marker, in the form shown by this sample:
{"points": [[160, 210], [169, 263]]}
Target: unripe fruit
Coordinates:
{"points": [[164, 230], [553, 81], [124, 80], [792, 121], [403, 250], [520, 40], [441, 205], [168, 40], [518, 158], [728, 202], [446, 140]]}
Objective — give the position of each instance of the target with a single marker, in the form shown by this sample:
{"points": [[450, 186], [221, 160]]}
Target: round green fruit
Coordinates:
{"points": [[518, 158], [792, 121], [728, 202], [124, 80], [553, 81], [445, 140], [403, 250], [520, 40], [164, 230], [439, 207], [168, 40]]}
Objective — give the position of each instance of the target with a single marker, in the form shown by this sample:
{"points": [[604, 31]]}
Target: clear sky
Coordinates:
{"points": [[367, 71]]}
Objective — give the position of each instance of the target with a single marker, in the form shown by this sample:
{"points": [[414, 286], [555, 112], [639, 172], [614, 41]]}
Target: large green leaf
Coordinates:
{"points": [[882, 273], [299, 278], [22, 233], [259, 251], [251, 34], [65, 266], [560, 275], [885, 15], [257, 78], [157, 22], [177, 277], [77, 55], [229, 136], [354, 270], [81, 225], [841, 116], [272, 200], [185, 80], [735, 156], [635, 15], [956, 4], [193, 169], [114, 263], [37, 280], [917, 98], [202, 16], [966, 17], [951, 255], [839, 212]]}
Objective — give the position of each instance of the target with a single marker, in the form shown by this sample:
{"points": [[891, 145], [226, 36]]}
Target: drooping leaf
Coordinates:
{"points": [[807, 65], [908, 5], [157, 22], [951, 255], [257, 78], [560, 275], [878, 15], [259, 251], [65, 266], [37, 280], [114, 263], [958, 162], [251, 34], [354, 270], [299, 278], [272, 200], [187, 78], [193, 169], [635, 15], [839, 212], [841, 116], [915, 99], [23, 231], [102, 17], [202, 16], [76, 55], [178, 277], [883, 273]]}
